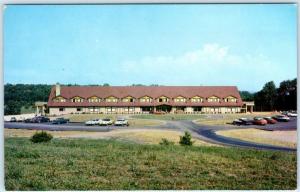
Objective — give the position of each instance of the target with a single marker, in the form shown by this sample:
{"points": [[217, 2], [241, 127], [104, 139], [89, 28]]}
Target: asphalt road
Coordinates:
{"points": [[204, 132]]}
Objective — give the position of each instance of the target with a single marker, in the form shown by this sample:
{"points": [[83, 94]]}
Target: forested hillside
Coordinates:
{"points": [[23, 96]]}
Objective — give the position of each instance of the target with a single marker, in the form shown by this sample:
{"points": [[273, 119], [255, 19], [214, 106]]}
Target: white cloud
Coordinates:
{"points": [[211, 64]]}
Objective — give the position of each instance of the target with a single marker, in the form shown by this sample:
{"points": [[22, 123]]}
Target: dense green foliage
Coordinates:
{"points": [[83, 164], [247, 96], [271, 98], [23, 95], [186, 139], [40, 137]]}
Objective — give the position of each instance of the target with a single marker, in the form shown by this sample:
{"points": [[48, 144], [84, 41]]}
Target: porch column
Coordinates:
{"points": [[37, 110]]}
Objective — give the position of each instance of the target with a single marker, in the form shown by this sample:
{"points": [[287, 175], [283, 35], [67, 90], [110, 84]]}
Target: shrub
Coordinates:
{"points": [[39, 137], [186, 139], [165, 141]]}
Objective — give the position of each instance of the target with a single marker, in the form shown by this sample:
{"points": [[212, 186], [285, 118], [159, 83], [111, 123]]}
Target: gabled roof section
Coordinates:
{"points": [[141, 91]]}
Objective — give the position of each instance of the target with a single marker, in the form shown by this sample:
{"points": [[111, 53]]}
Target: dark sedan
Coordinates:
{"points": [[242, 121], [39, 119], [60, 121]]}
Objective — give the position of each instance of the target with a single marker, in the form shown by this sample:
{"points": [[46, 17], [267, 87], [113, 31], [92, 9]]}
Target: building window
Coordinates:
{"points": [[213, 99], [146, 99], [196, 100], [128, 99], [230, 99], [77, 100], [79, 109], [94, 99], [180, 99], [59, 99], [111, 99], [163, 99], [61, 109]]}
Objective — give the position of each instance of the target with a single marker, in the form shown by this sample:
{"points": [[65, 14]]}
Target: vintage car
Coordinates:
{"points": [[270, 120], [259, 121]]}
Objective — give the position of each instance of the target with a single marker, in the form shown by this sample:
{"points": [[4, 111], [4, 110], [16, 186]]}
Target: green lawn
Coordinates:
{"points": [[170, 116], [83, 164]]}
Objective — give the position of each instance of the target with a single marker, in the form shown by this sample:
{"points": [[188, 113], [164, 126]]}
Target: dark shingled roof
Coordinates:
{"points": [[140, 91]]}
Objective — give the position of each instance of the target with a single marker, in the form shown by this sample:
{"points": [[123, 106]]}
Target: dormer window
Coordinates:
{"points": [[77, 99], [94, 99], [111, 99], [163, 99], [180, 99], [146, 99], [196, 99], [230, 99], [213, 99], [59, 99], [128, 99]]}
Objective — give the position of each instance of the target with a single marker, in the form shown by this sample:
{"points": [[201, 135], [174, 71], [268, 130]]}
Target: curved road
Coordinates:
{"points": [[203, 132]]}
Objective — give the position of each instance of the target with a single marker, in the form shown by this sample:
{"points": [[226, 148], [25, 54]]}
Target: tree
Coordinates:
{"points": [[106, 85], [287, 95], [265, 99], [247, 96], [186, 139]]}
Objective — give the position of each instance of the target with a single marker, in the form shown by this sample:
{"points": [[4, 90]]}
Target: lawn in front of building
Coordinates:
{"points": [[97, 164]]}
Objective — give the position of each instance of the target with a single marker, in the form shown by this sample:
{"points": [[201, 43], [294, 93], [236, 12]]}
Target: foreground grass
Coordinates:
{"points": [[145, 136], [279, 138], [170, 116], [84, 164], [226, 119]]}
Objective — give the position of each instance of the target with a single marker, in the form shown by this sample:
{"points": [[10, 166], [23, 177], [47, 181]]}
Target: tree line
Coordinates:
{"points": [[268, 99]]}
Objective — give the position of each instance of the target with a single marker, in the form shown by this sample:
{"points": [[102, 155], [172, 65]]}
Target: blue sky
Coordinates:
{"points": [[242, 45]]}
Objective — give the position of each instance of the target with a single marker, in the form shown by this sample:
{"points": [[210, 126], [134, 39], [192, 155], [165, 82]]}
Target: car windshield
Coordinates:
{"points": [[121, 120], [106, 119]]}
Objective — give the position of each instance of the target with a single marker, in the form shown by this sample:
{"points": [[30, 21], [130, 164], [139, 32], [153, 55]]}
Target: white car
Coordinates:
{"points": [[121, 122], [106, 122], [292, 114], [93, 122]]}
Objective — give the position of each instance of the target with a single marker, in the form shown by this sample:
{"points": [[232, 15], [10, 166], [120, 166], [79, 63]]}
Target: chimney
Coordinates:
{"points": [[57, 89]]}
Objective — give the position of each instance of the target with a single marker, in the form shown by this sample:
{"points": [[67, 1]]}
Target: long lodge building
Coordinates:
{"points": [[143, 99]]}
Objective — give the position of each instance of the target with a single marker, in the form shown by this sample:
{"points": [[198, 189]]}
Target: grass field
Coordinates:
{"points": [[226, 119], [279, 138], [170, 116], [145, 136], [90, 164]]}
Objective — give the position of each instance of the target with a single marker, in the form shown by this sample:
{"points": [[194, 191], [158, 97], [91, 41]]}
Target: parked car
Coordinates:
{"points": [[121, 122], [106, 122], [60, 121], [281, 118], [246, 121], [259, 121], [270, 120], [28, 120], [292, 114], [39, 119], [93, 122], [13, 119], [237, 122]]}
